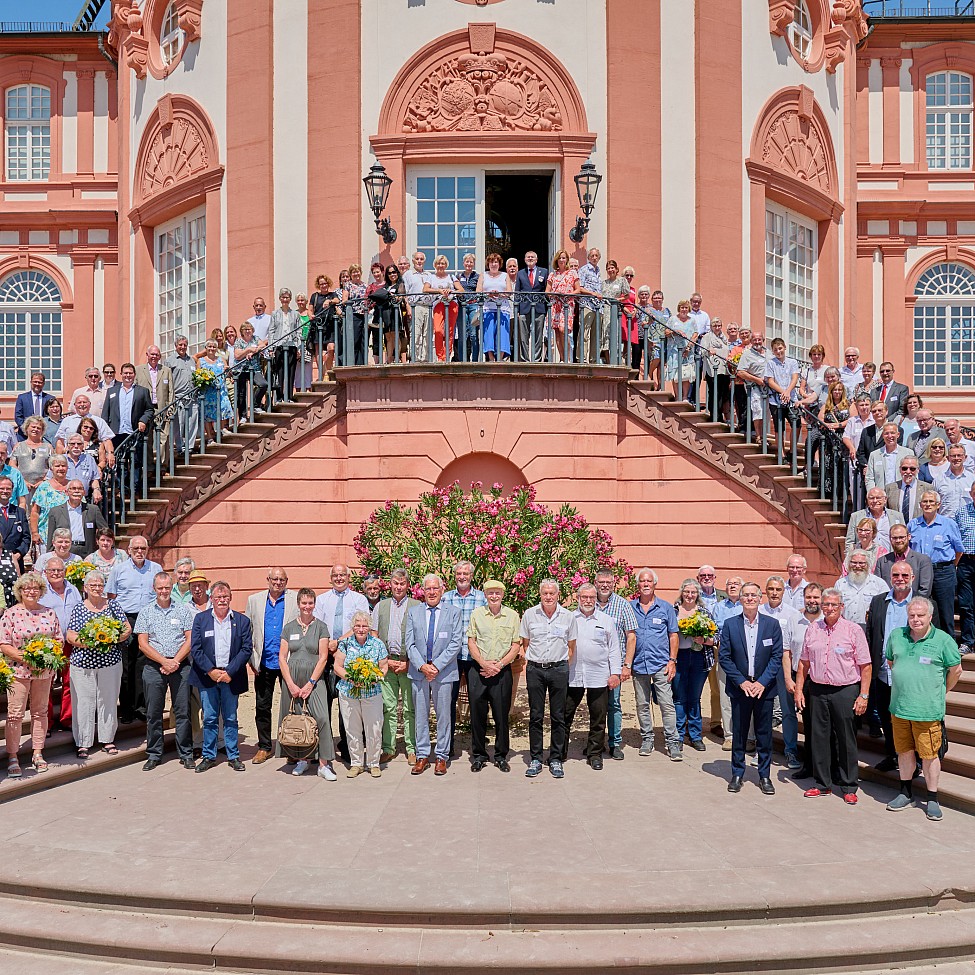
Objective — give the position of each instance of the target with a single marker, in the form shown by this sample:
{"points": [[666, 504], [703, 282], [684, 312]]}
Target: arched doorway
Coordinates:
{"points": [[487, 468]]}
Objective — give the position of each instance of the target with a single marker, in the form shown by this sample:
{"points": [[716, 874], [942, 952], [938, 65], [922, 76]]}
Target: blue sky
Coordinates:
{"points": [[45, 10]]}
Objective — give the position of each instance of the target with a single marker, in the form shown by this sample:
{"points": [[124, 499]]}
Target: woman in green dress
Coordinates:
{"points": [[304, 654]]}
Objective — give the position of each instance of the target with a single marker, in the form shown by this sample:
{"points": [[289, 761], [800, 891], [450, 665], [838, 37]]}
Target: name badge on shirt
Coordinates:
{"points": [[766, 643], [443, 635], [295, 636], [924, 660], [657, 622], [559, 631], [842, 649], [89, 524], [175, 621], [208, 632], [939, 538]]}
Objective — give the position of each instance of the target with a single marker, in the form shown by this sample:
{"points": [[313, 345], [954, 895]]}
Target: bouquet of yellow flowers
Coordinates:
{"points": [[75, 572], [6, 675], [204, 378], [363, 675], [100, 633], [734, 357], [698, 625], [43, 653]]}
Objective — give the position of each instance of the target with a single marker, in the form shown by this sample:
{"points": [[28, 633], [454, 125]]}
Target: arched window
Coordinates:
{"points": [[27, 119], [944, 328], [800, 31], [171, 35], [30, 330], [948, 124]]}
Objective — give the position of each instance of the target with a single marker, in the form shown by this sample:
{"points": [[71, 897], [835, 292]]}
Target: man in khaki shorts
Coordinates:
{"points": [[924, 665]]}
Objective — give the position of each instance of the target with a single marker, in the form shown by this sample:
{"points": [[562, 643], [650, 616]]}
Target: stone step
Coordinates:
{"points": [[961, 730], [961, 704]]}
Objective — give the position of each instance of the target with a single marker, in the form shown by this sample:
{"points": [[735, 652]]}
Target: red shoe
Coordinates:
{"points": [[815, 793], [850, 798]]}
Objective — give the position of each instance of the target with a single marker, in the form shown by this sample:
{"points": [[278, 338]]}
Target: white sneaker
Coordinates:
{"points": [[300, 768], [326, 771]]}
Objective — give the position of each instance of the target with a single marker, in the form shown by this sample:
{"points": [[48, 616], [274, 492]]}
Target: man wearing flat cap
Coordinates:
{"points": [[493, 642]]}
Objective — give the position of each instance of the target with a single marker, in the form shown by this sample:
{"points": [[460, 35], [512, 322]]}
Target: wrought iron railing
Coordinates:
{"points": [[480, 328], [879, 9]]}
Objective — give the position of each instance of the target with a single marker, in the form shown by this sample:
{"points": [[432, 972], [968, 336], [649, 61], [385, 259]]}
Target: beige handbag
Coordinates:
{"points": [[298, 734]]}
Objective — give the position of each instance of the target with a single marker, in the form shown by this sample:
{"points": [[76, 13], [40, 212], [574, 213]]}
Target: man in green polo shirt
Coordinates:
{"points": [[924, 665]]}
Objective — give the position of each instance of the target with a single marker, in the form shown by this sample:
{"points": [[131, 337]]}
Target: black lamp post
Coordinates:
{"points": [[377, 185], [587, 182]]}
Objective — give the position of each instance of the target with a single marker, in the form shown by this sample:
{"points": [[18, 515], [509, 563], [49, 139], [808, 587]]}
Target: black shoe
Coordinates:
{"points": [[478, 764], [802, 773], [125, 719], [198, 753], [151, 764], [876, 733], [766, 786], [206, 764], [187, 763], [237, 765], [886, 765], [698, 745], [502, 765], [735, 784], [616, 752], [596, 764]]}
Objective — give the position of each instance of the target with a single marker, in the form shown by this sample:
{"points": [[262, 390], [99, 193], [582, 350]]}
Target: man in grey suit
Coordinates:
{"points": [[904, 495], [888, 392], [900, 543], [84, 521], [877, 509], [434, 633]]}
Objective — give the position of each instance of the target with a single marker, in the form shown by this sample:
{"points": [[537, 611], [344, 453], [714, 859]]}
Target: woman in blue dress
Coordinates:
{"points": [[216, 401], [681, 334]]}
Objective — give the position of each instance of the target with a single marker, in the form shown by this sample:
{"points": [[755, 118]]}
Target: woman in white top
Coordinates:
{"points": [[442, 284], [497, 317]]}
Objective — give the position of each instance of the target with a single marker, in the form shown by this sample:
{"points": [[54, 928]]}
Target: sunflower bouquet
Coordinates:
{"points": [[6, 675], [734, 358], [363, 675], [204, 378], [698, 625], [43, 653], [100, 633], [75, 572]]}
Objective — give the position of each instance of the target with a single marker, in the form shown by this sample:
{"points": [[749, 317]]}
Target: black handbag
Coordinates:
{"points": [[943, 750]]}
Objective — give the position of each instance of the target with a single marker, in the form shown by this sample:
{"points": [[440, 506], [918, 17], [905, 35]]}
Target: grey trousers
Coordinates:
{"points": [[94, 697], [422, 334], [643, 685], [441, 691], [155, 683]]}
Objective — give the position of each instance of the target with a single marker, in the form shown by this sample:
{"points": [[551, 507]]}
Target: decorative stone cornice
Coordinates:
{"points": [[695, 441], [780, 13]]}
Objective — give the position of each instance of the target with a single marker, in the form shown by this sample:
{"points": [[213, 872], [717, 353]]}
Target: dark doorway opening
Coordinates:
{"points": [[517, 215]]}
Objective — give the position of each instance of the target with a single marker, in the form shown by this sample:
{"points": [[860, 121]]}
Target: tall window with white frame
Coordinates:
{"points": [[30, 330], [180, 259], [445, 218], [944, 328], [800, 31], [948, 125], [790, 280], [28, 132], [171, 35]]}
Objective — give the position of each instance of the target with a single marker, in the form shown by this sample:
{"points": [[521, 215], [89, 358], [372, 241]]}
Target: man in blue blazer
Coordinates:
{"points": [[31, 403], [220, 648], [434, 633], [751, 657], [531, 312]]}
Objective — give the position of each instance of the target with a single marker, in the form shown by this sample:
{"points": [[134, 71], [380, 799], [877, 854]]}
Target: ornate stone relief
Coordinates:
{"points": [[482, 91], [793, 146], [177, 152], [130, 34]]}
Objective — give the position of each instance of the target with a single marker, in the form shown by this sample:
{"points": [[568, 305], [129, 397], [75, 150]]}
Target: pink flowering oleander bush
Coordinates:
{"points": [[514, 539]]}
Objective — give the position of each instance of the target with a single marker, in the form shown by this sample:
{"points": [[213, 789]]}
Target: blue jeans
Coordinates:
{"points": [[790, 723], [615, 719], [467, 339], [687, 685], [219, 701]]}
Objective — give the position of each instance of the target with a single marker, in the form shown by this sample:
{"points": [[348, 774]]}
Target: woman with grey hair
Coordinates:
{"points": [[29, 689], [96, 675], [50, 493], [695, 658]]}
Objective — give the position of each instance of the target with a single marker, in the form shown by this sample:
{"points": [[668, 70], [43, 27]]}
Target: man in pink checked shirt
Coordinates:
{"points": [[835, 671]]}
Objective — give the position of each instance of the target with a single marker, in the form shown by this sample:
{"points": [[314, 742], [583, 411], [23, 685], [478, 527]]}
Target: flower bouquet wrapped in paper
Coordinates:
{"points": [[204, 378], [363, 675], [100, 633], [698, 625], [43, 653], [75, 572]]}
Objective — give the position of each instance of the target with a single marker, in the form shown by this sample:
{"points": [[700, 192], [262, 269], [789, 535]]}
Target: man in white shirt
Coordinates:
{"points": [[92, 389], [261, 320], [955, 484], [421, 305], [70, 424], [594, 671], [788, 619], [953, 432], [851, 372], [795, 586], [858, 587]]}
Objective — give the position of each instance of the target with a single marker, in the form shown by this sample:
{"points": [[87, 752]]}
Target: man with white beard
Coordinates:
{"points": [[858, 587]]}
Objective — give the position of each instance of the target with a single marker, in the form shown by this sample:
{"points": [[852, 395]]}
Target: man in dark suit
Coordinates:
{"points": [[531, 312], [220, 648], [84, 521], [31, 403], [900, 542], [751, 658], [889, 392], [128, 409], [888, 610]]}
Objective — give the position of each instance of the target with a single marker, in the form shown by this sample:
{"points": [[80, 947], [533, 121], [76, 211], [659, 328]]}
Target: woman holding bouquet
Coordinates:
{"points": [[695, 658], [303, 657], [216, 402], [27, 620], [96, 669], [360, 663]]}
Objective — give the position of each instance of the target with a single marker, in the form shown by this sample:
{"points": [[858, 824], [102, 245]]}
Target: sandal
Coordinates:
{"points": [[39, 764], [110, 748], [82, 753], [13, 769]]}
